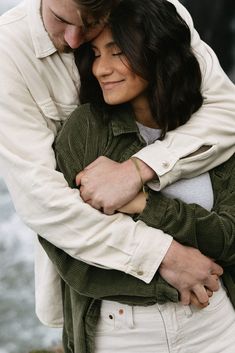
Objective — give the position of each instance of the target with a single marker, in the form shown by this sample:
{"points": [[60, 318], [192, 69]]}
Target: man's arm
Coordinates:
{"points": [[48, 205], [189, 277], [205, 141]]}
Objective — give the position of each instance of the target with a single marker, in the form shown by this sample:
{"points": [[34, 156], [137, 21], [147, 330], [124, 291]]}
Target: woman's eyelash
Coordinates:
{"points": [[114, 54], [118, 53]]}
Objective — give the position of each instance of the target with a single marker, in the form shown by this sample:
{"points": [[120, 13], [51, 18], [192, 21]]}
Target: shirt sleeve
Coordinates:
{"points": [[212, 232], [103, 284], [207, 139]]}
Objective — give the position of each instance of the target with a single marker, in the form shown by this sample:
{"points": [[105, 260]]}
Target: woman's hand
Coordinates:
{"points": [[195, 302], [137, 205]]}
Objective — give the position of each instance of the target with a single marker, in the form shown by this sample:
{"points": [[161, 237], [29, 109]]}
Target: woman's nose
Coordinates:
{"points": [[102, 67]]}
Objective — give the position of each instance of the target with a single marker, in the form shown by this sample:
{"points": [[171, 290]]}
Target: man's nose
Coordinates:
{"points": [[74, 36]]}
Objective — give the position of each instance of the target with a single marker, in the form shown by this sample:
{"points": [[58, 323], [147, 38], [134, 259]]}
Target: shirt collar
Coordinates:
{"points": [[42, 43], [123, 121]]}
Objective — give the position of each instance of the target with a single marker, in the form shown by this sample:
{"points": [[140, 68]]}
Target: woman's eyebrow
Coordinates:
{"points": [[107, 45]]}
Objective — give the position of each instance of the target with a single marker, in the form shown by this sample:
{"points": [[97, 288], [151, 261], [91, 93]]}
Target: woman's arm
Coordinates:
{"points": [[212, 232]]}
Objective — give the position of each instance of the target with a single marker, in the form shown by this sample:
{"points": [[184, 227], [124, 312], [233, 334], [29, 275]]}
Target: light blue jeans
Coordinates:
{"points": [[167, 328]]}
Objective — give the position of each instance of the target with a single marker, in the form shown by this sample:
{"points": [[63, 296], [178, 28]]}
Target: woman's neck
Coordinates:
{"points": [[143, 113]]}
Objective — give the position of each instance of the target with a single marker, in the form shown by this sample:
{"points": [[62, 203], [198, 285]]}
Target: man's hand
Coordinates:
{"points": [[189, 271], [107, 185]]}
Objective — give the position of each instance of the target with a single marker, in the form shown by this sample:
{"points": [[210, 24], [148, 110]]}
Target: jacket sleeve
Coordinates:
{"points": [[212, 232], [210, 131]]}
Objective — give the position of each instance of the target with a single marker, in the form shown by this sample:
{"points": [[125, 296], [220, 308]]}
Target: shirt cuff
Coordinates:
{"points": [[162, 164], [149, 254]]}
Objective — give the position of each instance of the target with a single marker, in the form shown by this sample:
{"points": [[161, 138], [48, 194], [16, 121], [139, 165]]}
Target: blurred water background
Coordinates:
{"points": [[20, 331]]}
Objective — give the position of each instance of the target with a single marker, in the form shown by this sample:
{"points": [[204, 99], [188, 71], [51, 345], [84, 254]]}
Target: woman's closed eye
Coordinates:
{"points": [[115, 53], [114, 49], [118, 53]]}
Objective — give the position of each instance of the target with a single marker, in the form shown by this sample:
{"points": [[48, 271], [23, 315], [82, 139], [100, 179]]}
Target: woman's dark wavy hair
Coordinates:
{"points": [[156, 42]]}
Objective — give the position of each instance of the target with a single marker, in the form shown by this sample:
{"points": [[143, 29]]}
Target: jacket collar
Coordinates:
{"points": [[123, 121], [42, 43]]}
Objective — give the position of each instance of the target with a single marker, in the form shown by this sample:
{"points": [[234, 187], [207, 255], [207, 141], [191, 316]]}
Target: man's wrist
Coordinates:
{"points": [[146, 172], [171, 254], [131, 172]]}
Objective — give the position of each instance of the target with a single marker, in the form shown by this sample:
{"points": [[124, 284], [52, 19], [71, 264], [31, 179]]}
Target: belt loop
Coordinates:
{"points": [[187, 310], [129, 316]]}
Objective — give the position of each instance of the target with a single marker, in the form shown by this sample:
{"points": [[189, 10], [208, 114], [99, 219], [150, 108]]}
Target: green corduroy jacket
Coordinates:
{"points": [[87, 135]]}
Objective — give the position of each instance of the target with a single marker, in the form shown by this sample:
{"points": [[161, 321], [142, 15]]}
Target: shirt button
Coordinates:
{"points": [[140, 273], [111, 317], [165, 164], [121, 311]]}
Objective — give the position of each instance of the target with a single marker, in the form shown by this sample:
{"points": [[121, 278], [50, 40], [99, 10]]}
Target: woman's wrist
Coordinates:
{"points": [[136, 206]]}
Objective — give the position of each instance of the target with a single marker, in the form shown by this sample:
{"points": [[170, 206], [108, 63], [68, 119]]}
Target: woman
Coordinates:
{"points": [[141, 79]]}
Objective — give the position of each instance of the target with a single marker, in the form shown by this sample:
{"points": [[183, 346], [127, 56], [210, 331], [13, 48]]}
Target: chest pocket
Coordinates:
{"points": [[55, 113]]}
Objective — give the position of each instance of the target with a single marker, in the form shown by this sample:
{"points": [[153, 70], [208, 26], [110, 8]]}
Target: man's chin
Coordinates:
{"points": [[64, 49], [60, 46]]}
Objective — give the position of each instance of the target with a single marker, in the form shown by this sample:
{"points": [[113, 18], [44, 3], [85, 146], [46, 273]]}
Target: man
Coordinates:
{"points": [[39, 89]]}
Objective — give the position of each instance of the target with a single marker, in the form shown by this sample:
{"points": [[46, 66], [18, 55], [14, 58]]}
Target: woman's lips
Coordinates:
{"points": [[110, 84]]}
